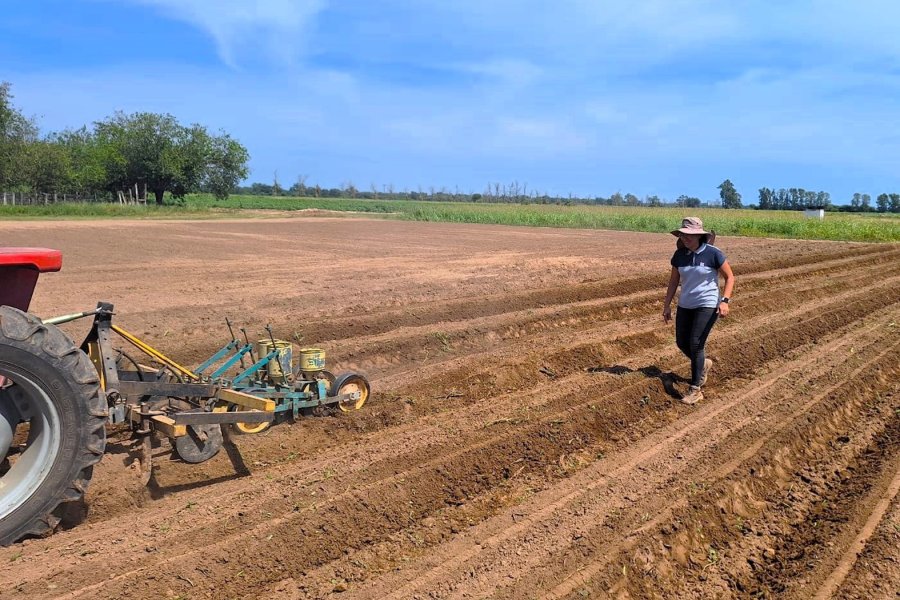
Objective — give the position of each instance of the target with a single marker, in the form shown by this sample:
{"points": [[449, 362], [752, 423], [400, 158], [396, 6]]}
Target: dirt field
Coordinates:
{"points": [[524, 438]]}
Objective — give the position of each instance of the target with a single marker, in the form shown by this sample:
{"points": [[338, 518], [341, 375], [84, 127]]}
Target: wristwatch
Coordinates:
{"points": [[725, 300]]}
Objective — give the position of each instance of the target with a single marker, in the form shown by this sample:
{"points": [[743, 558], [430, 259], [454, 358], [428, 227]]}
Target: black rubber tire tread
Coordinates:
{"points": [[46, 353]]}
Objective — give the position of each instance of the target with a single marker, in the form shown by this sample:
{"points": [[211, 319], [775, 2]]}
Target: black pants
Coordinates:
{"points": [[692, 327]]}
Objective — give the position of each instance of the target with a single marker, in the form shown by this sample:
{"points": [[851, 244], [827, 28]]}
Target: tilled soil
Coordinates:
{"points": [[525, 438]]}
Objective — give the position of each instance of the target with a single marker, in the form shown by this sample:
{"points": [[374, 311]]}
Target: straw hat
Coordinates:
{"points": [[691, 225]]}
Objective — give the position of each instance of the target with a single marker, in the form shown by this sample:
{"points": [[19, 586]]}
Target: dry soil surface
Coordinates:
{"points": [[524, 438]]}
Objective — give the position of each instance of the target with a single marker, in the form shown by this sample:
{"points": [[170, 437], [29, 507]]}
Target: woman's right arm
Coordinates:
{"points": [[674, 278]]}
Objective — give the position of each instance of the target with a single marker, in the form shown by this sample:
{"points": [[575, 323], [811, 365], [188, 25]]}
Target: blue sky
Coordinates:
{"points": [[661, 97]]}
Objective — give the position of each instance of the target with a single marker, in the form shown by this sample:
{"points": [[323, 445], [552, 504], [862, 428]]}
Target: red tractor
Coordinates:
{"points": [[53, 411]]}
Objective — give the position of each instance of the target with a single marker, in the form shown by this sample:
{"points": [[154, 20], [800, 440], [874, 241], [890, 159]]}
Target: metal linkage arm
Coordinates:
{"points": [[150, 351]]}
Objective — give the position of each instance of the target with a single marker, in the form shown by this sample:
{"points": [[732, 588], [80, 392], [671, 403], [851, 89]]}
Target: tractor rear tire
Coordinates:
{"points": [[55, 389]]}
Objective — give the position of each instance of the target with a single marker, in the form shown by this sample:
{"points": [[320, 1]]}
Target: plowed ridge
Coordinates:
{"points": [[526, 441]]}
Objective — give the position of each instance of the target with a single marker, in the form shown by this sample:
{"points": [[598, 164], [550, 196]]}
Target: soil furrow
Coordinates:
{"points": [[876, 570], [510, 379], [196, 468], [386, 354], [685, 551], [604, 491], [524, 424], [396, 503]]}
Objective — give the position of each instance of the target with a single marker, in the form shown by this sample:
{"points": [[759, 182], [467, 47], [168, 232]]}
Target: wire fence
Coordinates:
{"points": [[45, 198]]}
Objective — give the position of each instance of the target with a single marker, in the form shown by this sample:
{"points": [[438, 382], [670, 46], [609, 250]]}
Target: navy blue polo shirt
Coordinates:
{"points": [[699, 276]]}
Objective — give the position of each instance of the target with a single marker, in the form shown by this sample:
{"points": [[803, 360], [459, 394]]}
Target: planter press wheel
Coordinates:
{"points": [[201, 443], [347, 383], [249, 428]]}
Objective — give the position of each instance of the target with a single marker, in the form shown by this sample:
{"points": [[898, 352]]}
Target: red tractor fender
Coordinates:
{"points": [[19, 270]]}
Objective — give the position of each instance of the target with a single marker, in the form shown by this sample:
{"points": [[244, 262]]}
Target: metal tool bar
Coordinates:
{"points": [[155, 388], [214, 418]]}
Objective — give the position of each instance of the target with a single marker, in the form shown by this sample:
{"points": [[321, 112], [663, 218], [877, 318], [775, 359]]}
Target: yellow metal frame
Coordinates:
{"points": [[162, 423], [226, 396], [245, 400], [153, 352], [97, 359]]}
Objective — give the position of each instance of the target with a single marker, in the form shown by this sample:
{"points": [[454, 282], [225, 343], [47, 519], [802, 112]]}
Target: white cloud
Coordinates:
{"points": [[278, 26], [562, 90]]}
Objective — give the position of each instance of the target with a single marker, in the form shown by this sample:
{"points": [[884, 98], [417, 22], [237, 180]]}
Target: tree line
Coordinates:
{"points": [[792, 199], [154, 153], [798, 198], [145, 152], [516, 192]]}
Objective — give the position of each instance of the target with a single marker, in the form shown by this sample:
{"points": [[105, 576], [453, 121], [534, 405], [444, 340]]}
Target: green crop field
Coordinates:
{"points": [[868, 227]]}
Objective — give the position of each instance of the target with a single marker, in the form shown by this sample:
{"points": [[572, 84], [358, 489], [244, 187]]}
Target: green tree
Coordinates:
{"points": [[823, 199], [46, 167], [766, 199], [729, 195], [809, 199], [866, 202], [687, 201], [895, 203], [653, 201], [226, 165], [16, 133], [166, 156], [883, 202], [91, 163], [632, 200], [782, 199]]}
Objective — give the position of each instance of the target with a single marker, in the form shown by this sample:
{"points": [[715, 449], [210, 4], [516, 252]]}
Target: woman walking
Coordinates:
{"points": [[696, 264]]}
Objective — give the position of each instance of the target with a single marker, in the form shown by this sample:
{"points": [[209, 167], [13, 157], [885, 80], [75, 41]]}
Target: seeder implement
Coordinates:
{"points": [[56, 398], [191, 406]]}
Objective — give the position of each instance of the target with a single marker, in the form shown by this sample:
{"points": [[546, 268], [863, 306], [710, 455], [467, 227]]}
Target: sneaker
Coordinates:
{"points": [[707, 366], [693, 396]]}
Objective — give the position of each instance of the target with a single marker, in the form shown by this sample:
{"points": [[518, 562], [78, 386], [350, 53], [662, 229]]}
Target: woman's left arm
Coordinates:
{"points": [[725, 270]]}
